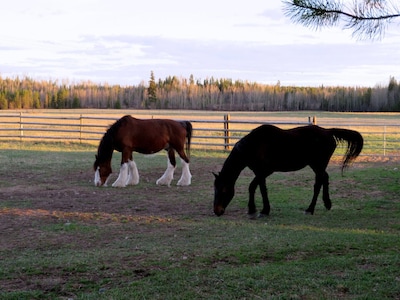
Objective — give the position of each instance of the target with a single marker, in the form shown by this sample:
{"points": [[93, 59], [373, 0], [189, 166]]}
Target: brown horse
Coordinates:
{"points": [[268, 149], [129, 134]]}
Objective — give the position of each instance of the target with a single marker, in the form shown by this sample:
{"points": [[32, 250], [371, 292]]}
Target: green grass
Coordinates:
{"points": [[149, 242]]}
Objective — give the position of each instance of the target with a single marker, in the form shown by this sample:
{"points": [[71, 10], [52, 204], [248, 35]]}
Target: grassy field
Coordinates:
{"points": [[63, 238]]}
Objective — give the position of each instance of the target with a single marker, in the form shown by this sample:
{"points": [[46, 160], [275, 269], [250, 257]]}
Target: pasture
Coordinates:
{"points": [[64, 238]]}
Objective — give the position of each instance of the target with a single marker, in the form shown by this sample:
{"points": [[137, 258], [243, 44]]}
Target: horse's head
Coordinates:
{"points": [[223, 194], [102, 172]]}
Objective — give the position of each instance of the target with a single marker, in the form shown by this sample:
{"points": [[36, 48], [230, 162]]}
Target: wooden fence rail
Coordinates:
{"points": [[213, 134]]}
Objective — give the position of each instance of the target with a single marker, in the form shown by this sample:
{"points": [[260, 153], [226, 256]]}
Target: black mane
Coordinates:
{"points": [[106, 146]]}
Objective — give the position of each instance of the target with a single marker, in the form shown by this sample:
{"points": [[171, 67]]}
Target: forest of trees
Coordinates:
{"points": [[207, 94]]}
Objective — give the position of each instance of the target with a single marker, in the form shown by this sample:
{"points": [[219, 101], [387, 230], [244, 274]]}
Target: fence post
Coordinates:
{"points": [[314, 120], [384, 140], [21, 127], [80, 129], [227, 133]]}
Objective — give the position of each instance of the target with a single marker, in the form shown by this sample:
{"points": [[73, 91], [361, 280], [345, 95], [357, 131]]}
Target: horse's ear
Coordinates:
{"points": [[215, 175], [95, 156]]}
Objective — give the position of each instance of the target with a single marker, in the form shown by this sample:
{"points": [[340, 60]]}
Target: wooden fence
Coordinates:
{"points": [[209, 133]]}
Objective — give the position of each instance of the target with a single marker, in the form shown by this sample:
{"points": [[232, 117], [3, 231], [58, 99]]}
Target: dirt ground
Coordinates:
{"points": [[72, 196]]}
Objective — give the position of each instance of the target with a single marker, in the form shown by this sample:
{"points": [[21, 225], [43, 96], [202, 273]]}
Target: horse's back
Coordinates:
{"points": [[149, 135], [276, 149], [151, 127], [275, 138]]}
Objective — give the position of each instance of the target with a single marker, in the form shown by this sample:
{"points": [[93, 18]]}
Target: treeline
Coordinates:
{"points": [[207, 94]]}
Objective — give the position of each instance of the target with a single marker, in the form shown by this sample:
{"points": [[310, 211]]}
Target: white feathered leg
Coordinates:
{"points": [[97, 180], [167, 176], [122, 177], [133, 174], [186, 178]]}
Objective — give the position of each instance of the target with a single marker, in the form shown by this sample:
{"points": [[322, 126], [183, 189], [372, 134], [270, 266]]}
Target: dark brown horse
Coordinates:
{"points": [[129, 134], [269, 149]]}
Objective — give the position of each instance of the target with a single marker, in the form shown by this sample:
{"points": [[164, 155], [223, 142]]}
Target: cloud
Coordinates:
{"points": [[121, 43], [127, 59]]}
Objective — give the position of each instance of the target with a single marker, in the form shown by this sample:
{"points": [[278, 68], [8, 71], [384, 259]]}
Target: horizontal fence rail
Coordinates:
{"points": [[208, 134]]}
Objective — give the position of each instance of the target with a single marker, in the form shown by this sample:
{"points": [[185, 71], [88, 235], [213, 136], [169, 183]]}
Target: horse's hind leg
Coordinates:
{"points": [[264, 193], [186, 177], [319, 181], [168, 175], [325, 192]]}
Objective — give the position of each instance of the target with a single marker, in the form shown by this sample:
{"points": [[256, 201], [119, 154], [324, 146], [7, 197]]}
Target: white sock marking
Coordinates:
{"points": [[133, 173], [97, 181], [122, 177], [167, 176], [186, 178]]}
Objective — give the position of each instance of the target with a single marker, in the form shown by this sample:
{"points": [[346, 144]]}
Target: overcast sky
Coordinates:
{"points": [[122, 41]]}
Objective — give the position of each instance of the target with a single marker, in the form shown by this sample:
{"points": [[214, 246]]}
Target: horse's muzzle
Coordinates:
{"points": [[219, 210]]}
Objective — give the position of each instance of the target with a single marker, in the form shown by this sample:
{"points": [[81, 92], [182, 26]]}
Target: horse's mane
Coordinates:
{"points": [[106, 148]]}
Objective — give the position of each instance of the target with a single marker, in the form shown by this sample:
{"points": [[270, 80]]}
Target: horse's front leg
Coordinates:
{"points": [[168, 175], [252, 205], [123, 175]]}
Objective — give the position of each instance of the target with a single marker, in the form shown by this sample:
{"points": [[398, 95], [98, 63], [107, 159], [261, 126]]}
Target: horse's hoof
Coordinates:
{"points": [[183, 183], [253, 216], [306, 212], [260, 215], [132, 182], [164, 182]]}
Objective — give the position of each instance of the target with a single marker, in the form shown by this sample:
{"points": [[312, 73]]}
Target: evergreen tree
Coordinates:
{"points": [[76, 102], [117, 104], [152, 89], [3, 101]]}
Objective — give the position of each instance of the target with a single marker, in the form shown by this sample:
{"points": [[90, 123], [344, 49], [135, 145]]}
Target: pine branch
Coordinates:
{"points": [[368, 18]]}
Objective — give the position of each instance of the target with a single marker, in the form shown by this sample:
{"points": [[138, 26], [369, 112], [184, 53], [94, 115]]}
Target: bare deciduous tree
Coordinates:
{"points": [[367, 18]]}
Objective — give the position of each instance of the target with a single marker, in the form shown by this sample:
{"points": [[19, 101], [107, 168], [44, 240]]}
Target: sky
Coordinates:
{"points": [[122, 41]]}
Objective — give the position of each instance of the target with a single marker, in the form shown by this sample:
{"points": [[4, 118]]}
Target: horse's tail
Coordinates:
{"points": [[355, 144], [189, 130]]}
